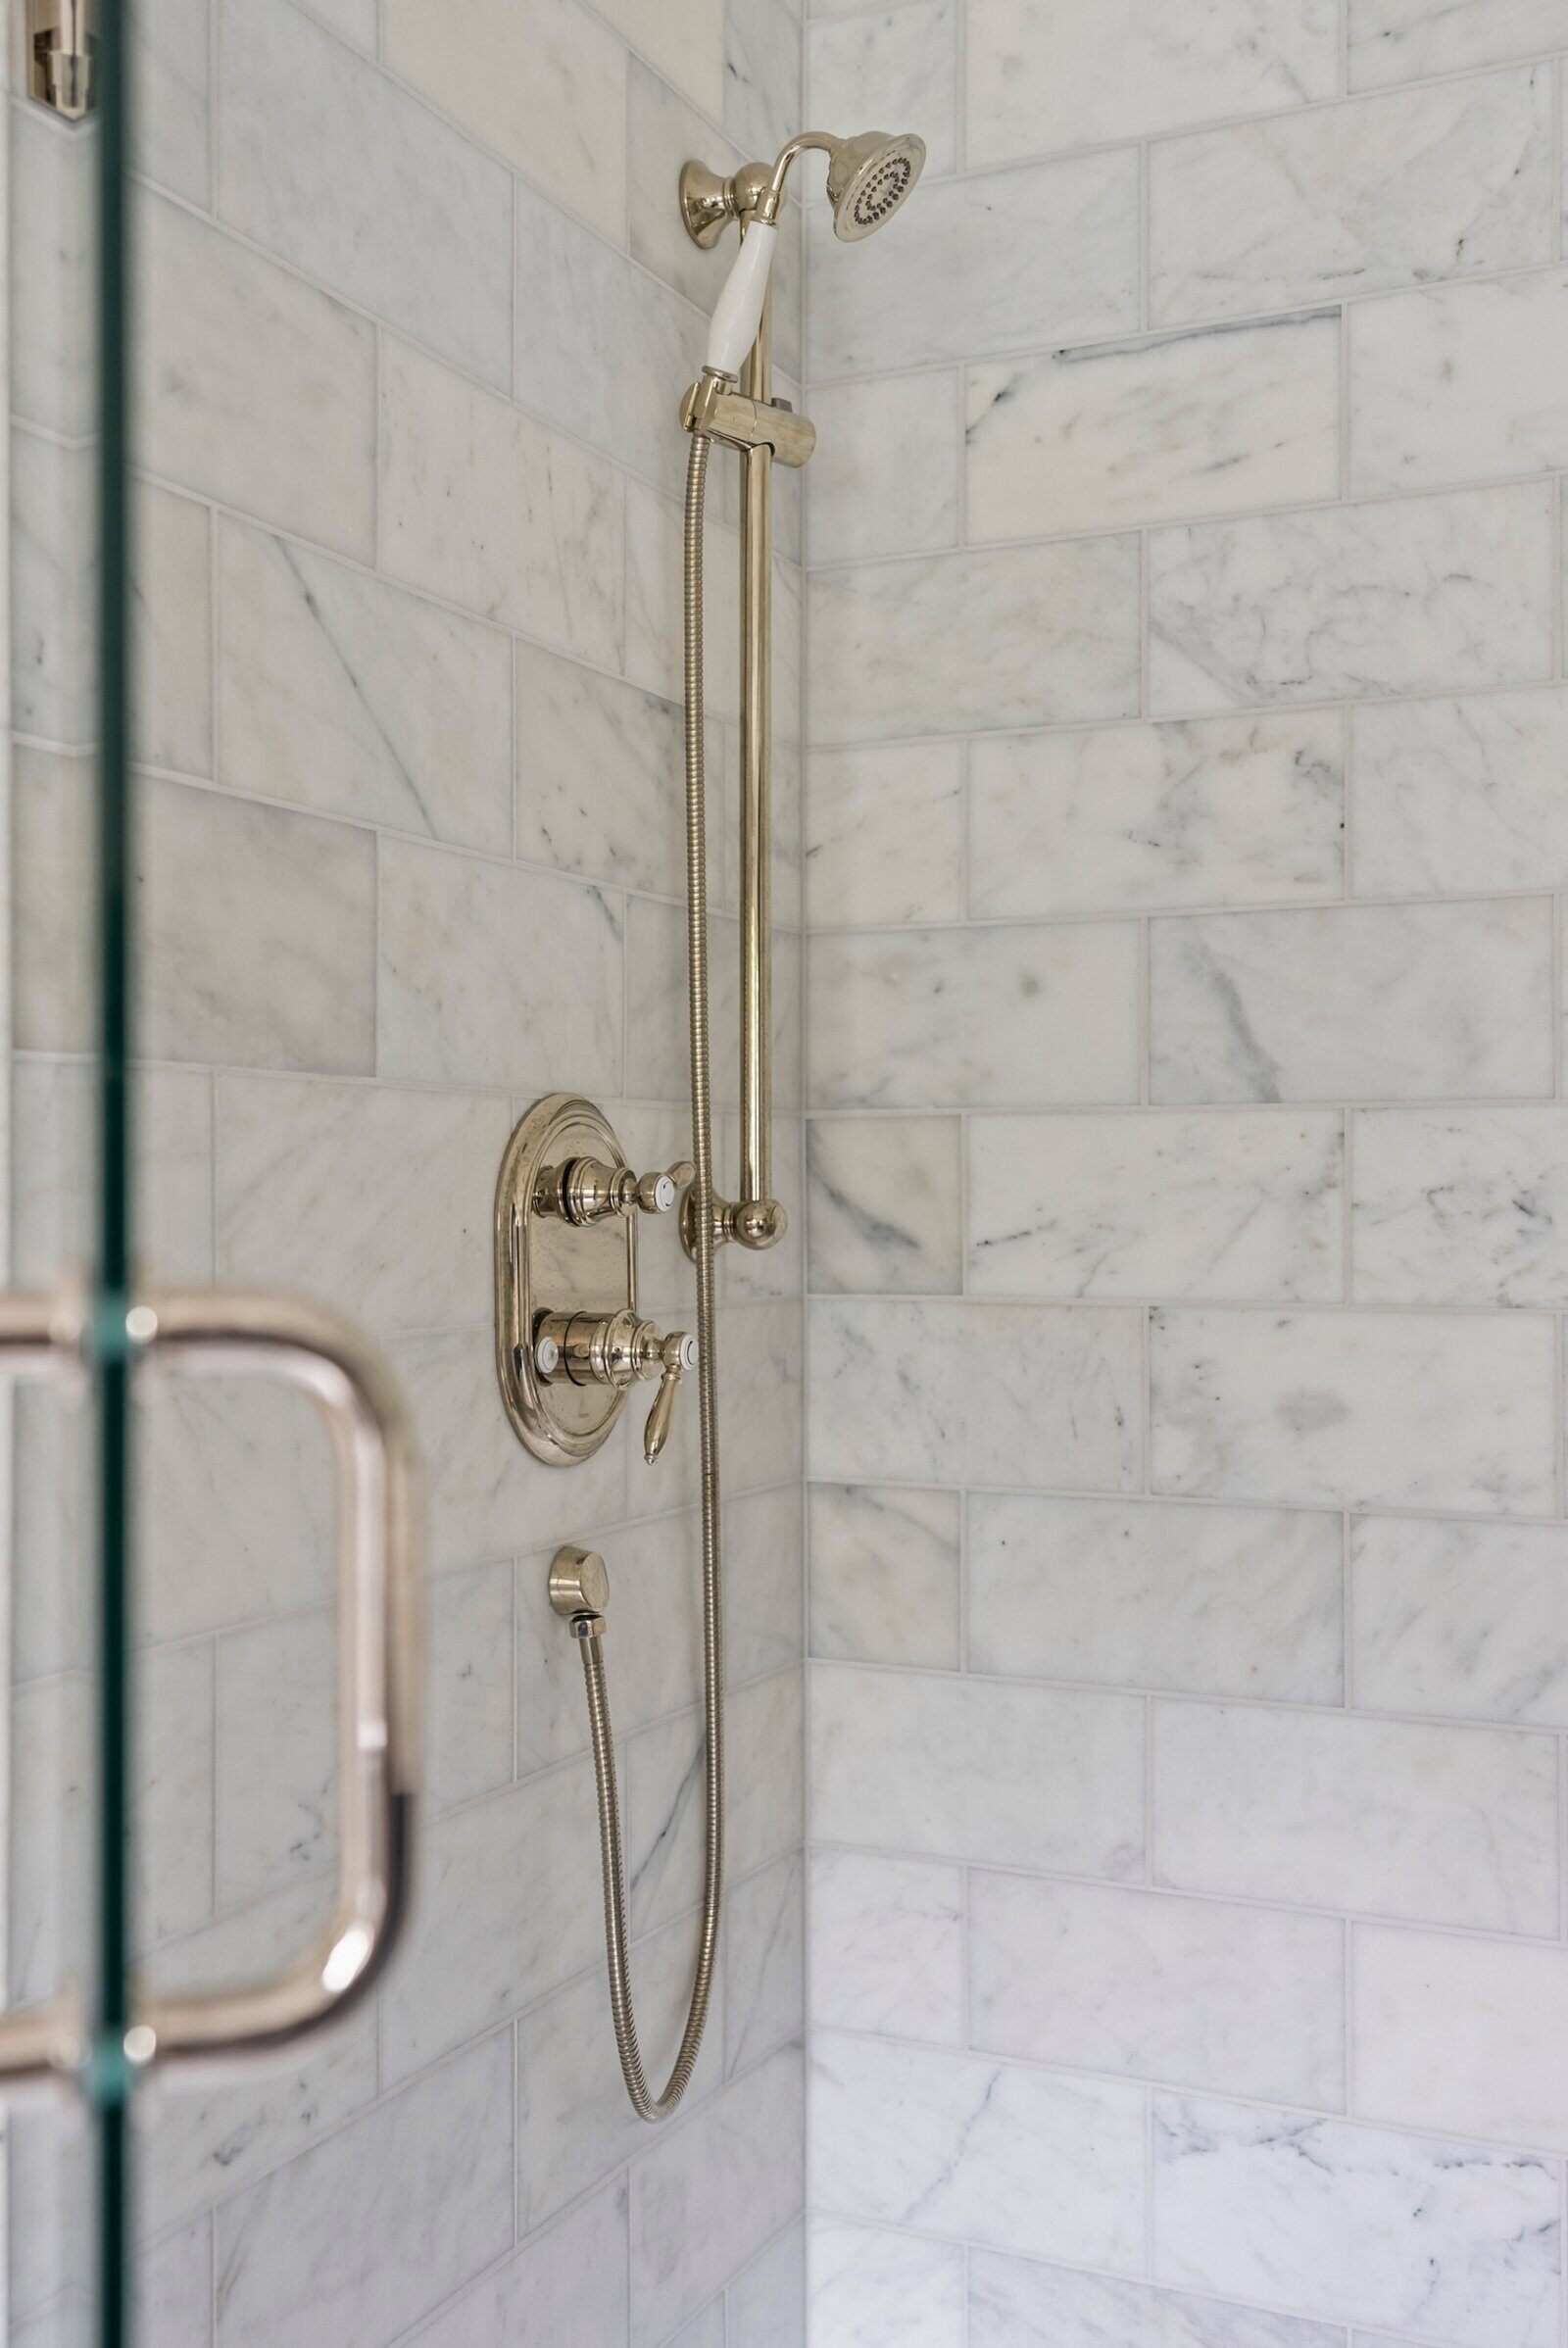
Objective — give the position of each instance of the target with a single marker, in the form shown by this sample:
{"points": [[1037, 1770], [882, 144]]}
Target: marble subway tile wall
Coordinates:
{"points": [[1185, 855], [418, 313]]}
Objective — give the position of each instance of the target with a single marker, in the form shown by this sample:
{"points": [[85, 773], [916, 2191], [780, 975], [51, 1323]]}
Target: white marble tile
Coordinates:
{"points": [[1005, 636], [1465, 1620], [765, 2307], [686, 44], [351, 20], [510, 1910], [575, 2123], [765, 1536], [884, 835], [952, 1018], [370, 2231], [484, 506], [1447, 796], [1216, 1204], [945, 1767], [1460, 1206], [978, 2151], [382, 202], [172, 587], [885, 1574], [1350, 1409], [887, 1946], [174, 99], [173, 1862], [884, 1204], [1463, 2034], [199, 2142], [53, 587], [550, 98], [1458, 383], [173, 2289], [663, 130], [251, 386], [54, 1182], [1045, 74], [872, 2288], [765, 1963], [50, 348], [570, 2279], [1445, 2240], [885, 476], [276, 1757], [662, 1796], [495, 975], [992, 1394], [1015, 2303], [1241, 2002], [343, 693], [1146, 1593], [1429, 1825], [762, 71], [599, 785], [1368, 1003], [1422, 595], [1356, 198], [377, 1201], [1398, 40], [897, 66], [604, 349], [1001, 261], [1219, 420], [710, 2195], [468, 1726], [654, 600]]}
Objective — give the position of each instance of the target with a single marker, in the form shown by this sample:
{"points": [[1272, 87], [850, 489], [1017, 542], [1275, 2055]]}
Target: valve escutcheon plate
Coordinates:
{"points": [[546, 1264]]}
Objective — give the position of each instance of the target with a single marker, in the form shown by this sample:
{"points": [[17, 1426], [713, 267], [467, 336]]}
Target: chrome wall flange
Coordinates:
{"points": [[569, 1344]]}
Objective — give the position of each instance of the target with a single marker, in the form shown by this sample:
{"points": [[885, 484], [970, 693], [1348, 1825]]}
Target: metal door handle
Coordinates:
{"points": [[208, 1333]]}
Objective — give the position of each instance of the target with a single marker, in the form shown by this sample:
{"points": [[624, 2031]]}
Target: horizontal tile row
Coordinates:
{"points": [[1445, 2240]]}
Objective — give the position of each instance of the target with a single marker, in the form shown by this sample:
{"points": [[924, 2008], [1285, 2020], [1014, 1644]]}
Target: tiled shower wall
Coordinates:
{"points": [[1189, 1179], [416, 313]]}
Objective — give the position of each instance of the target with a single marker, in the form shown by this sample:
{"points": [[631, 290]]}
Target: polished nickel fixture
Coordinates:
{"points": [[61, 46], [569, 1344]]}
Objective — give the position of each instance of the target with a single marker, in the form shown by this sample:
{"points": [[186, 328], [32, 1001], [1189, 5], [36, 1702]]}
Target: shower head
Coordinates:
{"points": [[868, 178]]}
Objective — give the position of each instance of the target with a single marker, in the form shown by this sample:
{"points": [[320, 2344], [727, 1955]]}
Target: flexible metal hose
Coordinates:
{"points": [[589, 1629]]}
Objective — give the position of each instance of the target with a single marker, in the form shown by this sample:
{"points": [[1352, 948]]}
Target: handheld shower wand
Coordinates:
{"points": [[868, 180]]}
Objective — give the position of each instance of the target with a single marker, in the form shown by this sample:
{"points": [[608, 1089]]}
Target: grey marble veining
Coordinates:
{"points": [[887, 1946], [570, 2274], [1047, 73], [1366, 1004], [1210, 1205], [663, 129], [1229, 809], [939, 1765], [994, 1017], [897, 66], [1396, 40], [1144, 1593], [884, 1204], [980, 2151], [1004, 636], [1447, 2241], [1421, 1823], [1244, 2001], [1219, 420], [276, 1803], [1424, 595], [763, 63], [599, 774], [997, 261], [1460, 1206], [884, 835], [885, 1574], [341, 693], [1356, 198], [1459, 793], [48, 278], [1459, 1619], [470, 1722], [884, 479], [765, 1976], [1391, 1410], [988, 1393], [765, 2304], [1016, 2303], [870, 2285], [1459, 382], [381, 201]]}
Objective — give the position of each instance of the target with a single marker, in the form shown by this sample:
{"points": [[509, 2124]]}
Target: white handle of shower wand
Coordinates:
{"points": [[738, 312]]}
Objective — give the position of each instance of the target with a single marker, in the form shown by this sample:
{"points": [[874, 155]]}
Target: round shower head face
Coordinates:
{"points": [[868, 178]]}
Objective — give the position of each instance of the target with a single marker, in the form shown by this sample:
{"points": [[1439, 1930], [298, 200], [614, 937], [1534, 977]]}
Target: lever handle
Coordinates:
{"points": [[679, 1353]]}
